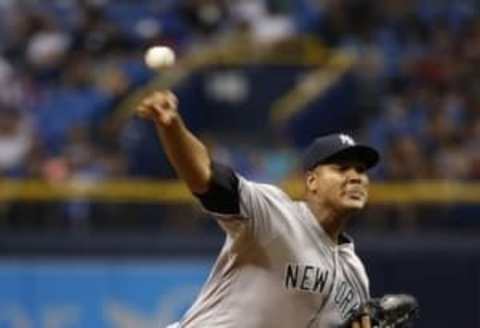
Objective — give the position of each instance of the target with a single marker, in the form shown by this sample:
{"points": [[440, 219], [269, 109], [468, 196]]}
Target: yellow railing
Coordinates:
{"points": [[174, 192]]}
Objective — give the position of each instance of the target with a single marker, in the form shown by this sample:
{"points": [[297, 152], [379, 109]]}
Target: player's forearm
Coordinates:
{"points": [[187, 154]]}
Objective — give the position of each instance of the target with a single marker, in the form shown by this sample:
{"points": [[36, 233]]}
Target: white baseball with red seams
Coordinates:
{"points": [[159, 57]]}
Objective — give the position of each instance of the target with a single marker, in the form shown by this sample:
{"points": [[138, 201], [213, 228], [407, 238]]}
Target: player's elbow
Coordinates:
{"points": [[199, 182]]}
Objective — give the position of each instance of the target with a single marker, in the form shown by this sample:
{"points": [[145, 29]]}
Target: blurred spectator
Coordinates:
{"points": [[405, 160], [15, 141], [263, 20], [472, 147], [64, 66], [205, 17]]}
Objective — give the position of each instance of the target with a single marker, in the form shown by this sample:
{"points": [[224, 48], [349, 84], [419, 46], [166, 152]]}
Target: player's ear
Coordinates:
{"points": [[311, 181]]}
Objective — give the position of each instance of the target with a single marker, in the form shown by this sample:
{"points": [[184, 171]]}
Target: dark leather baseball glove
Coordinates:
{"points": [[390, 311]]}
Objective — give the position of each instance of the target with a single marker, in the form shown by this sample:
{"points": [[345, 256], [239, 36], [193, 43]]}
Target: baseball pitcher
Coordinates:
{"points": [[285, 263]]}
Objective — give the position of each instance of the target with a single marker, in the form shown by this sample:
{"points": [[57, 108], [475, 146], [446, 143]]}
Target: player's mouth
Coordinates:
{"points": [[356, 194]]}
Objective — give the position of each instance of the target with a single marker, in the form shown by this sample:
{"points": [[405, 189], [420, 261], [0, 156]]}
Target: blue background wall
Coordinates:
{"points": [[79, 294], [443, 272]]}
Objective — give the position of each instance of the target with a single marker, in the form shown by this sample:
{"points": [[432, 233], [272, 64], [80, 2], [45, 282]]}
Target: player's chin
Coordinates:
{"points": [[354, 203]]}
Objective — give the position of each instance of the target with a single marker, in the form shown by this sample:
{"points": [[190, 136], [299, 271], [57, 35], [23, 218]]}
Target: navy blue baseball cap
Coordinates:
{"points": [[338, 147]]}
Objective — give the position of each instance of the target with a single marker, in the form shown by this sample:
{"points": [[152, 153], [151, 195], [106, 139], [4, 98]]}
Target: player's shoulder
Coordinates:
{"points": [[264, 189]]}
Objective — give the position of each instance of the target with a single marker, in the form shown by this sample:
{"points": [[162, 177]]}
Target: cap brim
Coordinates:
{"points": [[359, 153]]}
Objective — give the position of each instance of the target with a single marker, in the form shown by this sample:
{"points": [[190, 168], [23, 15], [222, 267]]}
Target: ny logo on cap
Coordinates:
{"points": [[346, 140]]}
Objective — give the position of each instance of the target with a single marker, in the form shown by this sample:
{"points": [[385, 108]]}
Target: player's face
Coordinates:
{"points": [[340, 186]]}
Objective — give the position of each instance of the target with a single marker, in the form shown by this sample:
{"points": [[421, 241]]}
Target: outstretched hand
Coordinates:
{"points": [[160, 106]]}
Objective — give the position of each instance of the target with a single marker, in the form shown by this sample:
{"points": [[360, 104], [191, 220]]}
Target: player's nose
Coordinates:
{"points": [[355, 175]]}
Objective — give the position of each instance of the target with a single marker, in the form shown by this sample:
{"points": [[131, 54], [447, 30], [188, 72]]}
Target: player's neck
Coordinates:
{"points": [[331, 221]]}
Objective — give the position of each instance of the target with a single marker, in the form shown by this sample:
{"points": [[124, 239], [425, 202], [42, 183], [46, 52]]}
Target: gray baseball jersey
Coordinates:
{"points": [[278, 268]]}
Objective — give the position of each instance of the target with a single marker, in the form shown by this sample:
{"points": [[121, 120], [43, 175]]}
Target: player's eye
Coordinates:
{"points": [[344, 168], [360, 168]]}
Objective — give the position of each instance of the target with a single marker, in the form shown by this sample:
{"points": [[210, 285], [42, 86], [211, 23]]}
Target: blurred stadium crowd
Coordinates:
{"points": [[66, 65]]}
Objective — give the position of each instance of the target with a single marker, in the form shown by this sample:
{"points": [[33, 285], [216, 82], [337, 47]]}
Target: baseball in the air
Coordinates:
{"points": [[159, 57]]}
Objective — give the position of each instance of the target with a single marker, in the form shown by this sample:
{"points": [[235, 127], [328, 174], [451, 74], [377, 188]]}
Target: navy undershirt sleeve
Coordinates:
{"points": [[223, 195]]}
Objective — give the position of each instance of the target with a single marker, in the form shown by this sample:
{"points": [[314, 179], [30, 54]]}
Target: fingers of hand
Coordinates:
{"points": [[165, 98], [157, 104], [143, 111], [356, 324], [363, 323], [168, 100], [366, 323]]}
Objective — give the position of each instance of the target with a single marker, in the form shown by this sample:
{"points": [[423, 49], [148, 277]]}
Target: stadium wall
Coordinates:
{"points": [[443, 272]]}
